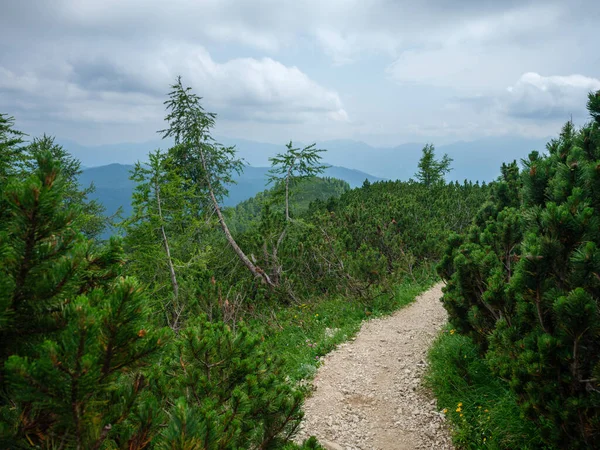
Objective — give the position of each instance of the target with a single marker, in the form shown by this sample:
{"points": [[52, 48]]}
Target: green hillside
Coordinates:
{"points": [[246, 213]]}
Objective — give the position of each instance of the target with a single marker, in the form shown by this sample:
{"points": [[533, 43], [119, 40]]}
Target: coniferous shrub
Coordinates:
{"points": [[524, 283], [85, 362], [73, 331], [227, 391]]}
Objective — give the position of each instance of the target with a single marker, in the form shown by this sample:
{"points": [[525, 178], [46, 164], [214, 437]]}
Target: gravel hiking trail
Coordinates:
{"points": [[369, 394]]}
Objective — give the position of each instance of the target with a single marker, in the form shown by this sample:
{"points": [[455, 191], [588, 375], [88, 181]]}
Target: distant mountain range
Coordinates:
{"points": [[478, 160], [475, 160], [114, 188]]}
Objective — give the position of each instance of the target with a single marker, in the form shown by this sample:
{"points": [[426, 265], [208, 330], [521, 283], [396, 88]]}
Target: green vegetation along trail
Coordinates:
{"points": [[369, 394]]}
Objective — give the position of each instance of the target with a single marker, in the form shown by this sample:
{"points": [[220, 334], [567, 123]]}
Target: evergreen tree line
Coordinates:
{"points": [[523, 281]]}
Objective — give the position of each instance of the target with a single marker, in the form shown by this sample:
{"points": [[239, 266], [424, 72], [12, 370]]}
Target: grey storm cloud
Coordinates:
{"points": [[274, 63], [103, 75]]}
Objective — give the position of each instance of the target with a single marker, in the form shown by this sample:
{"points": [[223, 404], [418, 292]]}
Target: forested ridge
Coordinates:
{"points": [[200, 326]]}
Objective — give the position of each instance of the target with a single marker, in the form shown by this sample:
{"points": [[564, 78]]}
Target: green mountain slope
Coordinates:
{"points": [[244, 214]]}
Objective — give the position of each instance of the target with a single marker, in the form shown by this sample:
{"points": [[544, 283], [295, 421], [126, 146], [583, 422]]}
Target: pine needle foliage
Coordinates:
{"points": [[431, 170], [73, 330], [524, 283], [11, 155], [228, 392], [85, 360]]}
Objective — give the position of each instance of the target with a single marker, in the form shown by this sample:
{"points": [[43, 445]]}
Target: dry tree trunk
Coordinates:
{"points": [[166, 242], [255, 270]]}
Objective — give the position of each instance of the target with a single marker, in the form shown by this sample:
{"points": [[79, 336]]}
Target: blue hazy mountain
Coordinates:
{"points": [[114, 188], [474, 160]]}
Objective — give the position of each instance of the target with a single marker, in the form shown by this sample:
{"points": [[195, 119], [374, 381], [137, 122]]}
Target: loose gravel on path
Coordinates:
{"points": [[369, 394]]}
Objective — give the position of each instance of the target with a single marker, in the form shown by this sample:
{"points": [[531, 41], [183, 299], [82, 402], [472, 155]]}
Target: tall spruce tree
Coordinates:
{"points": [[431, 170], [163, 234], [296, 164], [206, 164], [152, 201]]}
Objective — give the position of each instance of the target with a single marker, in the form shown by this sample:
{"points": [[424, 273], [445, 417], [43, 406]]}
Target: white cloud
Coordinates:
{"points": [[549, 97], [272, 68], [129, 86], [345, 48], [551, 83], [488, 50], [263, 83]]}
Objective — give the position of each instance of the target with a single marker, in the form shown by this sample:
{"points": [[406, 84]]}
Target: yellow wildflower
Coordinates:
{"points": [[461, 415], [460, 404], [485, 410], [445, 410], [459, 409], [452, 331]]}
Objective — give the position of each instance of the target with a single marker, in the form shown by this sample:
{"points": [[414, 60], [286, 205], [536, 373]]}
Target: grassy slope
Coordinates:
{"points": [[481, 408], [303, 333]]}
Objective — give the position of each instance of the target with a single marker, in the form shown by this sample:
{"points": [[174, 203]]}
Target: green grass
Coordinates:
{"points": [[302, 334], [482, 410]]}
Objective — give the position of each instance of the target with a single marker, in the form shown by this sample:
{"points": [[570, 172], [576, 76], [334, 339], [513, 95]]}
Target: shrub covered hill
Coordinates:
{"points": [[191, 331], [248, 212], [178, 335]]}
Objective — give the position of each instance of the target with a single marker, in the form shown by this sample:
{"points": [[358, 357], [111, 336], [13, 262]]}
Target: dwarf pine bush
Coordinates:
{"points": [[85, 361], [524, 283]]}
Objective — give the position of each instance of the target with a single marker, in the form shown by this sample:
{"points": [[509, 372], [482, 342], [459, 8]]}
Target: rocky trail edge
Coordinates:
{"points": [[369, 392]]}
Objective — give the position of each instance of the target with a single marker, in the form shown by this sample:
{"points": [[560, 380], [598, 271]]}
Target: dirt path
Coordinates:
{"points": [[368, 392]]}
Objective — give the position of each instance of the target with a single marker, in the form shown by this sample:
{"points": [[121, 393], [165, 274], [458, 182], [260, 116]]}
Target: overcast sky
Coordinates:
{"points": [[381, 71]]}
